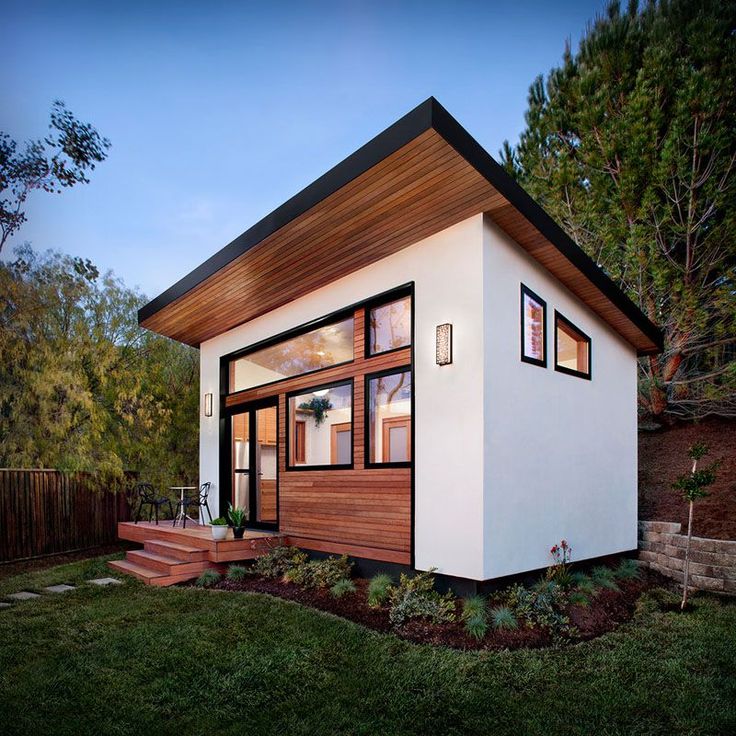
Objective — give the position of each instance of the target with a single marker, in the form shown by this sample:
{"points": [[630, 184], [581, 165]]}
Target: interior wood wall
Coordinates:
{"points": [[365, 512]]}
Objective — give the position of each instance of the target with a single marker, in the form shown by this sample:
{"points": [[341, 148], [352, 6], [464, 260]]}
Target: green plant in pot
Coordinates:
{"points": [[319, 406], [238, 517], [219, 528]]}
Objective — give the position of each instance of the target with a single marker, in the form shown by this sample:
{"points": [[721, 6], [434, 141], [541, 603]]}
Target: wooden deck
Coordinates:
{"points": [[173, 554]]}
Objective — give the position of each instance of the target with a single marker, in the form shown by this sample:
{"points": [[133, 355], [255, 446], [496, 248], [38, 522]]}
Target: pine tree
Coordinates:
{"points": [[631, 145]]}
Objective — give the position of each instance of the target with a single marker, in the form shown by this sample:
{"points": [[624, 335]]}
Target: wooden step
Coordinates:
{"points": [[138, 571], [148, 576], [164, 564], [177, 551]]}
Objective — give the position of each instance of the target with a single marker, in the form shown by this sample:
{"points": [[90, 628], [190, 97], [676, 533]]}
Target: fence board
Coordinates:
{"points": [[46, 512]]}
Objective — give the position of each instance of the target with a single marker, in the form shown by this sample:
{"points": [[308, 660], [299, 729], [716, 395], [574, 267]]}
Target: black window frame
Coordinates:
{"points": [[569, 371], [526, 291], [289, 468], [367, 418], [382, 301]]}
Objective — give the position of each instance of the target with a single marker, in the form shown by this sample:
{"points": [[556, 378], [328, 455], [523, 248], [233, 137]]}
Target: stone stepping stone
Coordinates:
{"points": [[63, 588], [24, 595], [4, 605], [105, 581]]}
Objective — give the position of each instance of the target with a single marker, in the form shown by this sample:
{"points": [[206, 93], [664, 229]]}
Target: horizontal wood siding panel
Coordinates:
{"points": [[360, 508]]}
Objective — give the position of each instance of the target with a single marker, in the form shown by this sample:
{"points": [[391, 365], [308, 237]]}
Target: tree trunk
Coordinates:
{"points": [[686, 573]]}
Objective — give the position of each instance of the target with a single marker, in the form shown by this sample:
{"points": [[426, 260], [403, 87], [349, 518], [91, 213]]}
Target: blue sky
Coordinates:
{"points": [[218, 112]]}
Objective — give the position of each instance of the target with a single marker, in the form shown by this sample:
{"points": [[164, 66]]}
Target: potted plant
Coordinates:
{"points": [[237, 519], [219, 528]]}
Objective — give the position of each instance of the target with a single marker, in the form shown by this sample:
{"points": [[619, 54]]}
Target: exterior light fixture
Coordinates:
{"points": [[208, 405], [444, 344]]}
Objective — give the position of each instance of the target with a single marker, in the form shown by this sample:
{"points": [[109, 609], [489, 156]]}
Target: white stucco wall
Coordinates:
{"points": [[509, 457], [447, 271], [560, 452]]}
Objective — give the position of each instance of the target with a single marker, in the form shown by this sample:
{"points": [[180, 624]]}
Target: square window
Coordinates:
{"points": [[533, 328], [389, 418], [321, 427], [572, 348]]}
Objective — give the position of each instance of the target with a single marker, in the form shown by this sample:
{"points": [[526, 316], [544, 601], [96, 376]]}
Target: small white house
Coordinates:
{"points": [[410, 362]]}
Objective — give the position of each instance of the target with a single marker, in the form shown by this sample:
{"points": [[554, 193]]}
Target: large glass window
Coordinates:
{"points": [[321, 427], [533, 328], [572, 348], [389, 418], [389, 326], [320, 348]]}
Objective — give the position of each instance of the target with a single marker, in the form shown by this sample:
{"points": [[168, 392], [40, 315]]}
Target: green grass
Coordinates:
{"points": [[130, 660]]}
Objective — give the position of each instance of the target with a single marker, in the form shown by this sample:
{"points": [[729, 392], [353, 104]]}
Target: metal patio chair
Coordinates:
{"points": [[199, 501], [147, 497]]}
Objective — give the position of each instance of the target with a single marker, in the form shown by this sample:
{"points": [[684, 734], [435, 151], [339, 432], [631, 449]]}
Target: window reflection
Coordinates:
{"points": [[321, 427], [389, 326], [390, 418], [314, 350]]}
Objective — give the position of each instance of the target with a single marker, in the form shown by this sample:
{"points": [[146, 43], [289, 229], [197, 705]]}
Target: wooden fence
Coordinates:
{"points": [[45, 512]]}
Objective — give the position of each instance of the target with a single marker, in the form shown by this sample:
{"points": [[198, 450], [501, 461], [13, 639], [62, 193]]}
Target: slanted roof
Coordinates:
{"points": [[421, 175]]}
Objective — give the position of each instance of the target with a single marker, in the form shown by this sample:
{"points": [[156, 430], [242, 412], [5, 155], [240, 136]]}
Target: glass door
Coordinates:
{"points": [[254, 451]]}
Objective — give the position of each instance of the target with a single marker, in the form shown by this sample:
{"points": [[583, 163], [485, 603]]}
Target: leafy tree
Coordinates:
{"points": [[693, 487], [631, 145], [82, 386], [58, 161]]}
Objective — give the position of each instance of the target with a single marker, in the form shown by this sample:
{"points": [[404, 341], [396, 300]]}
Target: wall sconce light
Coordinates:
{"points": [[444, 344], [208, 405]]}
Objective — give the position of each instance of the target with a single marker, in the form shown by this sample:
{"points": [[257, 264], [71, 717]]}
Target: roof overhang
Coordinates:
{"points": [[421, 175]]}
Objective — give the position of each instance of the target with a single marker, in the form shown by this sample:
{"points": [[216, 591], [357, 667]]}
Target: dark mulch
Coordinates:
{"points": [[663, 457], [607, 610]]}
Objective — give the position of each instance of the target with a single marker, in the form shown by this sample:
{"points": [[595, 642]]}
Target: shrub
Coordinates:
{"points": [[474, 605], [540, 607], [237, 572], [578, 598], [342, 587], [503, 617], [602, 577], [208, 579], [379, 589], [583, 583], [559, 571], [415, 597], [627, 570], [320, 573], [476, 626], [278, 561], [328, 572], [475, 616]]}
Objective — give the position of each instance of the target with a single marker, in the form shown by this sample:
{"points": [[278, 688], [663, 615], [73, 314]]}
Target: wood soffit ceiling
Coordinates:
{"points": [[421, 175]]}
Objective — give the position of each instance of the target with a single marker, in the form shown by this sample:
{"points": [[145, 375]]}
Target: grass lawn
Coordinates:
{"points": [[136, 660]]}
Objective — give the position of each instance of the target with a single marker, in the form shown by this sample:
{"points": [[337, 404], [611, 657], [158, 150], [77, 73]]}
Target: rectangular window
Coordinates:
{"points": [[323, 347], [321, 427], [572, 348], [389, 326], [533, 328], [389, 418]]}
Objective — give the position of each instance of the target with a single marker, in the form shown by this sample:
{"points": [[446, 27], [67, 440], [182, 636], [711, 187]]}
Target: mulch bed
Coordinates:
{"points": [[663, 457], [607, 610]]}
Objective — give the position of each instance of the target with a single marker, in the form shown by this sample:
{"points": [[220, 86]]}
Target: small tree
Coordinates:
{"points": [[693, 486]]}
